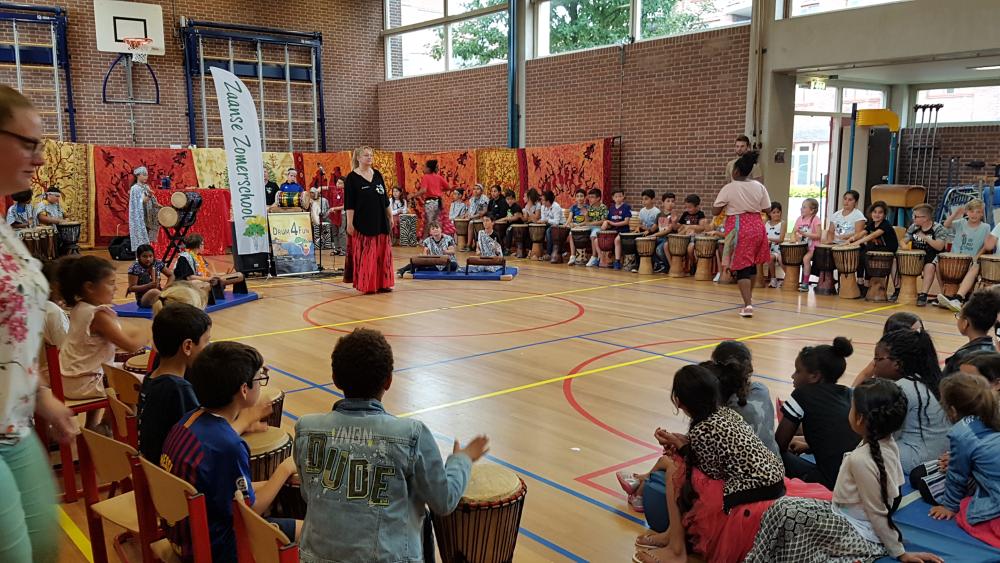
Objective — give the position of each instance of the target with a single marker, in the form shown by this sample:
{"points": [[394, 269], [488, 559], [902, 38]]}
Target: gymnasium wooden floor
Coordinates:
{"points": [[567, 369]]}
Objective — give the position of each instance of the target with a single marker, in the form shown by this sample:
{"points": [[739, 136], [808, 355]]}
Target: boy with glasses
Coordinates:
{"points": [[931, 237], [205, 450]]}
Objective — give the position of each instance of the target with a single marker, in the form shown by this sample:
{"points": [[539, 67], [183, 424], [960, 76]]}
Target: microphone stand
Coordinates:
{"points": [[320, 247]]}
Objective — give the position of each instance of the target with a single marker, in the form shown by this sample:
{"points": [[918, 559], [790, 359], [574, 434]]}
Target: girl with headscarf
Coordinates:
{"points": [[142, 209]]}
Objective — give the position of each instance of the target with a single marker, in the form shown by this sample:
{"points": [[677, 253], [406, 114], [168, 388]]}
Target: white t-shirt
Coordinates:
{"points": [[82, 352], [996, 234], [648, 217], [843, 226]]}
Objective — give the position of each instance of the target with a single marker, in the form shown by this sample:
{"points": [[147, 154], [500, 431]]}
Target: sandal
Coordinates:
{"points": [[672, 557], [644, 542]]}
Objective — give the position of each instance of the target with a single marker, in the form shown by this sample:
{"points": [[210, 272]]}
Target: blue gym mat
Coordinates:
{"points": [[131, 309], [941, 537], [460, 274]]}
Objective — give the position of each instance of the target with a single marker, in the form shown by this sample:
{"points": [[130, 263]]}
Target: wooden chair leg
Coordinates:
{"points": [[95, 524]]}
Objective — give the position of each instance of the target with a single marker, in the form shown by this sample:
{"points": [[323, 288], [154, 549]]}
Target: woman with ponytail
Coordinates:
{"points": [[902, 356], [974, 460], [857, 525]]}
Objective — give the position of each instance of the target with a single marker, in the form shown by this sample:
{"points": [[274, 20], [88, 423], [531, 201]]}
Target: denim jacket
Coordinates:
{"points": [[975, 458], [367, 476]]}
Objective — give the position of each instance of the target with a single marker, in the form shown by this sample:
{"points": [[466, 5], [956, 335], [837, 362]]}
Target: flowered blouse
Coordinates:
{"points": [[23, 293]]}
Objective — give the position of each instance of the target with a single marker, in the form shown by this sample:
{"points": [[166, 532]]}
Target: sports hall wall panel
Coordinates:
{"points": [[352, 68]]}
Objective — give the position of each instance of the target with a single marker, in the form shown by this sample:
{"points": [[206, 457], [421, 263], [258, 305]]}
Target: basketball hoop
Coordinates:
{"points": [[139, 47]]}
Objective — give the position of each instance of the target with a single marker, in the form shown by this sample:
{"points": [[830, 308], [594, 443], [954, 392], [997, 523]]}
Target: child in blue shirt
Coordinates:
{"points": [[618, 218], [577, 217], [205, 450]]}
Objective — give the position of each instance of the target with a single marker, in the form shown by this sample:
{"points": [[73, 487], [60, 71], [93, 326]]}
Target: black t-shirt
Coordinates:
{"points": [[270, 192], [369, 201], [183, 269], [952, 364], [692, 218], [514, 209], [822, 409], [497, 208], [885, 243], [163, 401]]}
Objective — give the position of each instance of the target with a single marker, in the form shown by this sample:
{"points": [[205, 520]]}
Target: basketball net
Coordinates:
{"points": [[139, 47]]}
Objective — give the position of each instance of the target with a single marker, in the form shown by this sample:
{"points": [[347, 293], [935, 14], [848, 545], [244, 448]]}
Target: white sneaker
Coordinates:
{"points": [[572, 260], [953, 305], [594, 260]]}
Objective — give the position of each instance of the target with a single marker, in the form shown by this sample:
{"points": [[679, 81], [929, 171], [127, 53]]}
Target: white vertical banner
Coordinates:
{"points": [[241, 135]]}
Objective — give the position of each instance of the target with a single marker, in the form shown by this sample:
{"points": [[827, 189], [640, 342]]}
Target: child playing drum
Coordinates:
{"points": [[969, 238], [931, 237]]}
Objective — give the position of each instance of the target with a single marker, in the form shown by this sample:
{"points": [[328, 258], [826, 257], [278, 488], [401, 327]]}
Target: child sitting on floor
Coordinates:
{"points": [[974, 457], [438, 244], [144, 277], [394, 462], [87, 284], [821, 406], [975, 321], [857, 525], [192, 266], [204, 449], [984, 363]]}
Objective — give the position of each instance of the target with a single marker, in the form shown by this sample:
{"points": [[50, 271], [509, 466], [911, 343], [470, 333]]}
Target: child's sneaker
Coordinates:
{"points": [[617, 265], [628, 480], [921, 300], [594, 260], [635, 501], [572, 260]]}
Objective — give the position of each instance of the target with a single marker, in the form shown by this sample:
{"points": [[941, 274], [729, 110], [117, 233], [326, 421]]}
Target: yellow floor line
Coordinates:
{"points": [[76, 535], [437, 309], [640, 361]]}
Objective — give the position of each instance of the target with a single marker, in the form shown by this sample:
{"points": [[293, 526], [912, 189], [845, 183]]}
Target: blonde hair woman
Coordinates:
{"points": [[28, 522], [366, 204]]}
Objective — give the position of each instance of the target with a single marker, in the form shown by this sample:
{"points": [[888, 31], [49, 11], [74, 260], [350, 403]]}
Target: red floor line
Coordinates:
{"points": [[617, 494], [621, 465]]}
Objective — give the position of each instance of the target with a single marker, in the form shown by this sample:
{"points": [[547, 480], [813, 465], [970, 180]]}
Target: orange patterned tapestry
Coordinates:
{"points": [[458, 169], [498, 166], [334, 165], [564, 168], [385, 162], [67, 166]]}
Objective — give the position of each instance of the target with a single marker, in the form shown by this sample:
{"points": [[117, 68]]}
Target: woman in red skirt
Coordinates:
{"points": [[366, 204], [743, 200]]}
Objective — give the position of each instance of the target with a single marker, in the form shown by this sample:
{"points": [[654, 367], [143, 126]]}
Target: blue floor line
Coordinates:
{"points": [[553, 546]]}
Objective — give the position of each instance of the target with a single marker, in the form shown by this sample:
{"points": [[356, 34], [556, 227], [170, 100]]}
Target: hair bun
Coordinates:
{"points": [[842, 347], [753, 156]]}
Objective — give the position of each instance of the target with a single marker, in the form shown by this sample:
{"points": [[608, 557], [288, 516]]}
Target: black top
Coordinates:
{"points": [[369, 201], [885, 243], [952, 364], [183, 269], [822, 409], [270, 192], [515, 209], [692, 218], [497, 208], [163, 401]]}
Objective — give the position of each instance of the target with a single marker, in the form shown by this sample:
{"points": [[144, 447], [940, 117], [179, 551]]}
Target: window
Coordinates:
{"points": [[866, 99], [806, 7], [964, 105], [416, 52], [427, 36], [809, 100], [570, 25], [480, 41]]}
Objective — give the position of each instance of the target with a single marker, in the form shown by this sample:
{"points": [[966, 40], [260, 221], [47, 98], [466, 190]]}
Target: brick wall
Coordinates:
{"points": [[681, 106], [352, 68], [454, 110], [966, 143]]}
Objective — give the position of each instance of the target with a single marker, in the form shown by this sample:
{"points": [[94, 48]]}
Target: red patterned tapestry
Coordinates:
{"points": [[387, 162], [335, 165], [212, 221], [458, 169], [499, 166], [112, 176], [564, 168]]}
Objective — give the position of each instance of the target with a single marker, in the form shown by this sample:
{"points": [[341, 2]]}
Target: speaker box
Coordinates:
{"points": [[256, 263], [121, 249]]}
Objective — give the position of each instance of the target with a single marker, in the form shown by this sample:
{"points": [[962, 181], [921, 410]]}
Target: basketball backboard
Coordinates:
{"points": [[115, 21]]}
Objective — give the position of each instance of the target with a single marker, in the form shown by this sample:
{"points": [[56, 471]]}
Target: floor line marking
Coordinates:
{"points": [[76, 535], [437, 309], [638, 361]]}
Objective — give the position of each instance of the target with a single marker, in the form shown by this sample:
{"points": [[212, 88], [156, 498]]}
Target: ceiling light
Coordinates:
{"points": [[990, 67]]}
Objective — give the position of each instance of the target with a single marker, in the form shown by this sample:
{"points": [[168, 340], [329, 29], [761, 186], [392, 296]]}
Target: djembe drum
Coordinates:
{"points": [[27, 237], [989, 269], [823, 267], [677, 246], [267, 450], [288, 503], [518, 240], [122, 356], [461, 231], [911, 265], [69, 236], [537, 233], [581, 241], [408, 229], [606, 246], [500, 228], [48, 242], [288, 199], [634, 224], [878, 266], [645, 247], [845, 258], [138, 363], [477, 226], [484, 527], [559, 234], [704, 251], [630, 260], [792, 254], [952, 268], [276, 398], [186, 201]]}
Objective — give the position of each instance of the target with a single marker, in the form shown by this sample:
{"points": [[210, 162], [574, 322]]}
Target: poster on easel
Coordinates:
{"points": [[292, 243]]}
